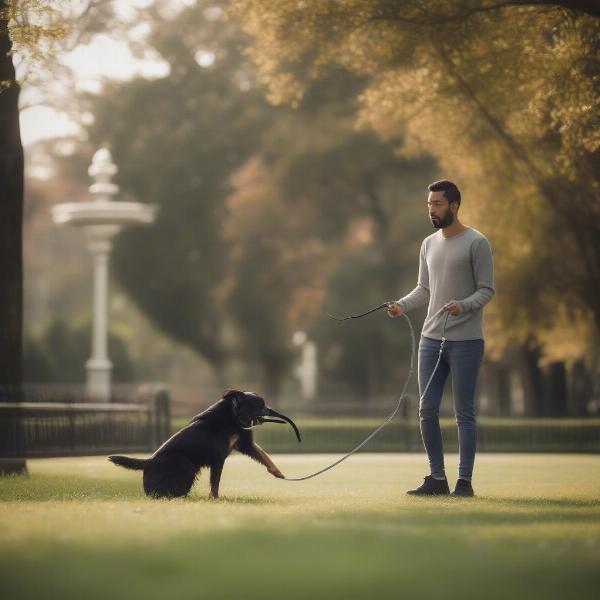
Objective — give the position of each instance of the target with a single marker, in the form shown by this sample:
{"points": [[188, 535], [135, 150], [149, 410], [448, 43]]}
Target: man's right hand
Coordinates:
{"points": [[394, 309]]}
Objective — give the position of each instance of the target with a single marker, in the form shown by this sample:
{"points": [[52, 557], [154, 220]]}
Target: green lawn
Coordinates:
{"points": [[81, 528]]}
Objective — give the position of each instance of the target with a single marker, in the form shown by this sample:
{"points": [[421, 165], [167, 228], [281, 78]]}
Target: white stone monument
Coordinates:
{"points": [[307, 369], [101, 219]]}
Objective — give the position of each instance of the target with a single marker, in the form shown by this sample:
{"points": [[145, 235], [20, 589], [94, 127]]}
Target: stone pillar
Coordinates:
{"points": [[99, 366]]}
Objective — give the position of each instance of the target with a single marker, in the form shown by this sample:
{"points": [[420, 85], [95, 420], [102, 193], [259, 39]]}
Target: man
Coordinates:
{"points": [[456, 276]]}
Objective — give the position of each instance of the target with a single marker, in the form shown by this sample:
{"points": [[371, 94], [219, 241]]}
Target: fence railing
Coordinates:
{"points": [[49, 429]]}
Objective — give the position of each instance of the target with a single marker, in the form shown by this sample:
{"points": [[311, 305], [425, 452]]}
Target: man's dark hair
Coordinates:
{"points": [[450, 190]]}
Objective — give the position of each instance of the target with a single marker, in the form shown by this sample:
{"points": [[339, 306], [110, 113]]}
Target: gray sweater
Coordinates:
{"points": [[459, 268]]}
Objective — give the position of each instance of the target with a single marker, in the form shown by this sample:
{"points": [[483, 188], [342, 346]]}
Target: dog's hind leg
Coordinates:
{"points": [[170, 477], [215, 477]]}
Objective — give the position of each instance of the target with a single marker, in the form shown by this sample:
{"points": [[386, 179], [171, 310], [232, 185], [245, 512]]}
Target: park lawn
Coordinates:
{"points": [[82, 528]]}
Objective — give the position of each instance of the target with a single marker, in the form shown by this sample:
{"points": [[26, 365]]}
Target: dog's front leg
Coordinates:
{"points": [[215, 477], [246, 445], [265, 459]]}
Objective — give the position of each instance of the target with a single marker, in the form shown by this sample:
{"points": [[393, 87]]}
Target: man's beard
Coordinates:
{"points": [[445, 222]]}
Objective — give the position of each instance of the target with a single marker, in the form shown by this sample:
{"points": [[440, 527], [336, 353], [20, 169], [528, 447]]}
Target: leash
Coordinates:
{"points": [[384, 305], [402, 395]]}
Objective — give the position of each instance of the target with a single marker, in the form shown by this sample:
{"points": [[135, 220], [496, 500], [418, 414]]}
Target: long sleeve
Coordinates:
{"points": [[483, 272], [420, 295]]}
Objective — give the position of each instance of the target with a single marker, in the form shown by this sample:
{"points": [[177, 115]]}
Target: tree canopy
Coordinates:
{"points": [[504, 95], [258, 204]]}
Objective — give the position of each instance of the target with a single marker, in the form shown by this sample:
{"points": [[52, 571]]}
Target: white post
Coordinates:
{"points": [[307, 369], [99, 366]]}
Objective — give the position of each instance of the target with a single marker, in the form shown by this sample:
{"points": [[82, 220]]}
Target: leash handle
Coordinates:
{"points": [[372, 310], [384, 305]]}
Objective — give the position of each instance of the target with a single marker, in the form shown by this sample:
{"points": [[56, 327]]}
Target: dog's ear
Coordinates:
{"points": [[233, 395]]}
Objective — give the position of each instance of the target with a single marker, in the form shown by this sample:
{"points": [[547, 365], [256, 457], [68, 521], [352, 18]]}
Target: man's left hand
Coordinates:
{"points": [[453, 307]]}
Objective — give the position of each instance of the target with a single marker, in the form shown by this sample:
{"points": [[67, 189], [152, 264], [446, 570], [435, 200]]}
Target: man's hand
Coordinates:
{"points": [[394, 309], [453, 307]]}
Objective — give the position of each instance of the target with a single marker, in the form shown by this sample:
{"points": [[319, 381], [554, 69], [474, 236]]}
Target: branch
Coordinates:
{"points": [[92, 4], [555, 193], [589, 7], [496, 126]]}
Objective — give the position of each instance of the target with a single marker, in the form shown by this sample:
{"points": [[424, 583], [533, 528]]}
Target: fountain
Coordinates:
{"points": [[101, 219]]}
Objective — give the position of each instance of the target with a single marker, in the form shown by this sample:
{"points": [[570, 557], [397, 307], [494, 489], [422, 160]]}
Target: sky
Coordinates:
{"points": [[103, 58]]}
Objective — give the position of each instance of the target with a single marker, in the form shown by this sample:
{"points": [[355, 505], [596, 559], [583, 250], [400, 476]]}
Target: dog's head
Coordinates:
{"points": [[250, 410]]}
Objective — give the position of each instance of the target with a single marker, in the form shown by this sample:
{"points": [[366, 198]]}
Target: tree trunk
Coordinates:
{"points": [[504, 394], [271, 381], [218, 367], [13, 466], [556, 390], [581, 389], [525, 361], [496, 382], [11, 230], [11, 223]]}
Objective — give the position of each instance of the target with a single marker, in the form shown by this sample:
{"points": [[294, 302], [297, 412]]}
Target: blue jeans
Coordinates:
{"points": [[463, 359]]}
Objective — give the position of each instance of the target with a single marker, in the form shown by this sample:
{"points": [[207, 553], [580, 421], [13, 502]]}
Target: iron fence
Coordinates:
{"points": [[49, 429]]}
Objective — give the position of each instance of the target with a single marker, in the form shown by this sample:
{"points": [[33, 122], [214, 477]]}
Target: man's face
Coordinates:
{"points": [[440, 212]]}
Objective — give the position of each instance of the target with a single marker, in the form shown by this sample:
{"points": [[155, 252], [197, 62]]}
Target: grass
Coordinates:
{"points": [[81, 527]]}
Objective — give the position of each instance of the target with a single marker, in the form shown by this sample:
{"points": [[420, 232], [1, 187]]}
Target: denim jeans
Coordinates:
{"points": [[462, 359]]}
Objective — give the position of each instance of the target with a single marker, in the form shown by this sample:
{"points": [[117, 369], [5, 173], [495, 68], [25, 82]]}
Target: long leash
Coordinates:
{"points": [[402, 395]]}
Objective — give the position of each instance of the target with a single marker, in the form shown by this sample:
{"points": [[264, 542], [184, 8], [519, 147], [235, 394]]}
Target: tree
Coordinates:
{"points": [[56, 356], [210, 122], [505, 96], [31, 26], [11, 216], [177, 140], [356, 212], [30, 31]]}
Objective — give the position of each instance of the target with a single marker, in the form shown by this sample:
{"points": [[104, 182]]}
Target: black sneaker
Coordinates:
{"points": [[431, 487], [463, 488]]}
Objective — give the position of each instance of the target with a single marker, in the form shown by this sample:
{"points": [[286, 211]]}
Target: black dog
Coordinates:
{"points": [[207, 441]]}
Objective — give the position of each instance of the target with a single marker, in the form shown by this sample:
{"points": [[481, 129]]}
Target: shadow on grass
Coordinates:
{"points": [[239, 500]]}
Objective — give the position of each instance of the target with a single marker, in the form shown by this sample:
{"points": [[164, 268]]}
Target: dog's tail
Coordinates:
{"points": [[129, 463]]}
